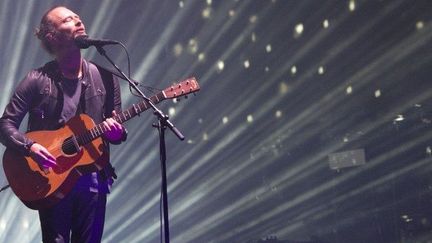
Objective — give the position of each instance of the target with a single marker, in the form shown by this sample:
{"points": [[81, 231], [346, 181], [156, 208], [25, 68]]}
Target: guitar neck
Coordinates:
{"points": [[185, 87], [138, 108], [124, 116]]}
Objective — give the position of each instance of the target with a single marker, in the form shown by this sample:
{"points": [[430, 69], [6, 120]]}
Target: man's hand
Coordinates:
{"points": [[42, 156], [114, 130]]}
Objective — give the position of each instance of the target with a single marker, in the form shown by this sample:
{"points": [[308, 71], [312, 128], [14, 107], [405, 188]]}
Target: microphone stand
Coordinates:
{"points": [[163, 123]]}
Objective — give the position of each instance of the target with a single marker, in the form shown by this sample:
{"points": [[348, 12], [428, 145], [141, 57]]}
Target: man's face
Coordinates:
{"points": [[68, 25]]}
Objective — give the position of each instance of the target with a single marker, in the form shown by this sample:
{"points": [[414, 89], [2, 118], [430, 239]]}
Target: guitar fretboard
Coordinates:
{"points": [[124, 116]]}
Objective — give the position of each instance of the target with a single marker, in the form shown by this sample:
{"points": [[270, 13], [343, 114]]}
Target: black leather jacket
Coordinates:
{"points": [[40, 94]]}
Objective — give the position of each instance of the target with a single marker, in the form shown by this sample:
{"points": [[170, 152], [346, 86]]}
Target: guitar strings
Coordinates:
{"points": [[85, 138]]}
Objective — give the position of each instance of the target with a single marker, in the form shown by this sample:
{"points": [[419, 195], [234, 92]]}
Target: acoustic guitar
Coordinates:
{"points": [[78, 148]]}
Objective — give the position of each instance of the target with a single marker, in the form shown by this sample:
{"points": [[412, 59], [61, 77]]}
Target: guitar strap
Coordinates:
{"points": [[81, 105], [94, 71]]}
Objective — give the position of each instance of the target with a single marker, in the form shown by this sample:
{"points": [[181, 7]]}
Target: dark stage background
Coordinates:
{"points": [[313, 123]]}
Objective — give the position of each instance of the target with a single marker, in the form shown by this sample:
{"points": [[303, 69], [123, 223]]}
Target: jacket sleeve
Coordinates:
{"points": [[13, 115]]}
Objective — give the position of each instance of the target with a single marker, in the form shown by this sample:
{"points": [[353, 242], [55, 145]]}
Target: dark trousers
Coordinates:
{"points": [[79, 217]]}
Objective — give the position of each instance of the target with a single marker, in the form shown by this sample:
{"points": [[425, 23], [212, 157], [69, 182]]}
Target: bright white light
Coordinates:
{"points": [[209, 2], [399, 118], [377, 93], [205, 136], [293, 70], [201, 57], [299, 28], [246, 64], [2, 224], [178, 49], [25, 224], [325, 24], [268, 48], [193, 46], [352, 5], [349, 89], [267, 69], [278, 114], [181, 4], [249, 119], [231, 13], [420, 25], [220, 65], [253, 37], [206, 13], [321, 70], [171, 111], [225, 120]]}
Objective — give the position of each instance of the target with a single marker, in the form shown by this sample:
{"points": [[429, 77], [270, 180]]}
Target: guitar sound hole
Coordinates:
{"points": [[69, 147]]}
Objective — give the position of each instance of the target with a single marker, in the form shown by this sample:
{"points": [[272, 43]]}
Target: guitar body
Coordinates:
{"points": [[38, 188]]}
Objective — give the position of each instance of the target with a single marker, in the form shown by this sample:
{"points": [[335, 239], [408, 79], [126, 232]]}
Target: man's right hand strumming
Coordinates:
{"points": [[42, 156]]}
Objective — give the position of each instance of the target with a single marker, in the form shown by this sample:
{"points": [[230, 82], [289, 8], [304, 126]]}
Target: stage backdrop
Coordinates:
{"points": [[313, 123]]}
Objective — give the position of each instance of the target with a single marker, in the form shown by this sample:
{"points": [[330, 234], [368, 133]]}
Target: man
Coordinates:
{"points": [[52, 94]]}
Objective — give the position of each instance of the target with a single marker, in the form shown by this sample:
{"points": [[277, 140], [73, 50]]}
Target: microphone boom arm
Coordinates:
{"points": [[162, 117]]}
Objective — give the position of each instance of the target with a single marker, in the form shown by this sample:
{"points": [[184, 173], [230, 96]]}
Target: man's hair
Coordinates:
{"points": [[46, 26]]}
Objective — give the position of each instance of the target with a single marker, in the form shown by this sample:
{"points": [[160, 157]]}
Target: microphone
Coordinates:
{"points": [[84, 42]]}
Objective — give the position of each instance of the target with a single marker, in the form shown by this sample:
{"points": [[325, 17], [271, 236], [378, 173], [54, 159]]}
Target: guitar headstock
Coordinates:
{"points": [[185, 87]]}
